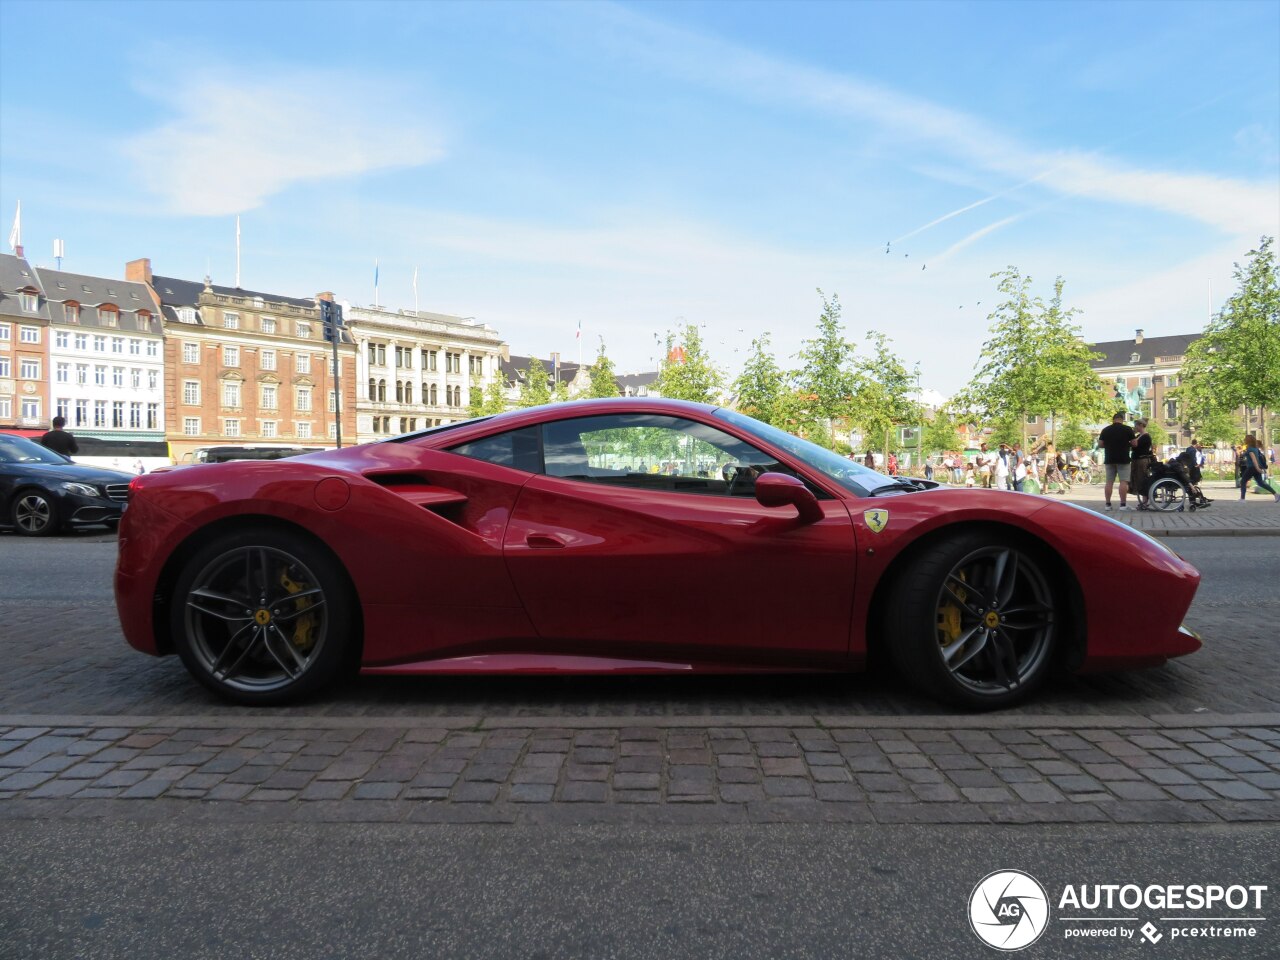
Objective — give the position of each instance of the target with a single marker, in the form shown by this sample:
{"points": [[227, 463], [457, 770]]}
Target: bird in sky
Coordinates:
{"points": [[924, 266]]}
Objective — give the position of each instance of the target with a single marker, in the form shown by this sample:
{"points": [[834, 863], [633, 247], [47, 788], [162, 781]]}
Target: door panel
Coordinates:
{"points": [[619, 571]]}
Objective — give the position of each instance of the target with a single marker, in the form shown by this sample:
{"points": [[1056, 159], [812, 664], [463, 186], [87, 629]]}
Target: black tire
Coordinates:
{"points": [[34, 513], [970, 628], [230, 601]]}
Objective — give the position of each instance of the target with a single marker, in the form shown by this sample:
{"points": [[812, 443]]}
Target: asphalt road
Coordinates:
{"points": [[64, 654], [142, 890]]}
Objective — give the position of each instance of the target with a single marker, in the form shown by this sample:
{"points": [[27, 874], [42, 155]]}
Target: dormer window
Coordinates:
{"points": [[108, 316], [187, 314], [30, 301], [1135, 358], [71, 311], [230, 321], [144, 320]]}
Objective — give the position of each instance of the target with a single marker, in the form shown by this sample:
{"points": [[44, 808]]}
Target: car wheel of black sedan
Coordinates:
{"points": [[262, 618], [34, 514], [974, 622]]}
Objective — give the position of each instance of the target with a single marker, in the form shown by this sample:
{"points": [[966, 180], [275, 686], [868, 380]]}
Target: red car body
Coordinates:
{"points": [[466, 566]]}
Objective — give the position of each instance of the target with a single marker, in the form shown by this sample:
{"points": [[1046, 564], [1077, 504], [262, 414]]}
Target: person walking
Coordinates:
{"points": [[1117, 444], [870, 461], [1140, 467], [1002, 467], [59, 440], [984, 466], [1254, 463]]}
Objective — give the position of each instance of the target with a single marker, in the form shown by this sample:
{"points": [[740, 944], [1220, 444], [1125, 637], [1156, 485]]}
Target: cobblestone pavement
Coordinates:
{"points": [[806, 769]]}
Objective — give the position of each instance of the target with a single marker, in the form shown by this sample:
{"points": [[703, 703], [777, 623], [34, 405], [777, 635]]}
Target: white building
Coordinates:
{"points": [[417, 369], [106, 356]]}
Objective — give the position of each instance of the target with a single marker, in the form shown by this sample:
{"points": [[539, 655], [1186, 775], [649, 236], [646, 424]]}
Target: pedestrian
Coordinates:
{"points": [[969, 480], [59, 440], [1117, 445], [928, 468], [1140, 466], [870, 460], [1253, 463]]}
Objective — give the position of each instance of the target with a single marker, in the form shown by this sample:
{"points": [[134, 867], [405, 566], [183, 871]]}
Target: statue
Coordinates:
{"points": [[1132, 399]]}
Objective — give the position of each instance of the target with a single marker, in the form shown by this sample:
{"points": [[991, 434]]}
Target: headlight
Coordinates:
{"points": [[82, 490]]}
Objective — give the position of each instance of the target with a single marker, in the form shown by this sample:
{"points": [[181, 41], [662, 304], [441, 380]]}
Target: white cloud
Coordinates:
{"points": [[233, 143]]}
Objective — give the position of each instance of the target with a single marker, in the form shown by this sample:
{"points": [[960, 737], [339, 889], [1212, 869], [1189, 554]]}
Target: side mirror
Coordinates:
{"points": [[781, 489]]}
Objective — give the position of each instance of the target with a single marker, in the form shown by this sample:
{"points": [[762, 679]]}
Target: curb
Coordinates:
{"points": [[1006, 721]]}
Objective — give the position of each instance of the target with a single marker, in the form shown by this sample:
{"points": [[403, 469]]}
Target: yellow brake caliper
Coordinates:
{"points": [[949, 619], [304, 626]]}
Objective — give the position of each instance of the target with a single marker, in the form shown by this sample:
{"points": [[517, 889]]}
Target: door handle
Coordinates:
{"points": [[544, 541]]}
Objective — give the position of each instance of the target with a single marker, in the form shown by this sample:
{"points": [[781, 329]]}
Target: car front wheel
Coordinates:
{"points": [[262, 618], [34, 514], [975, 621]]}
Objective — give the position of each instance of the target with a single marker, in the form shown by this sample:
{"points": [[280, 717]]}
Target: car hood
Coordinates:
{"points": [[73, 472]]}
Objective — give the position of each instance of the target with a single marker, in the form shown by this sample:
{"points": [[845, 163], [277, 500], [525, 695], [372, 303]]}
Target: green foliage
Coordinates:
{"points": [[827, 376], [882, 394], [1005, 430], [487, 401], [694, 377], [1159, 435], [942, 433], [1236, 362], [760, 386], [1034, 361], [603, 381], [535, 389], [559, 392], [1073, 435], [1217, 426]]}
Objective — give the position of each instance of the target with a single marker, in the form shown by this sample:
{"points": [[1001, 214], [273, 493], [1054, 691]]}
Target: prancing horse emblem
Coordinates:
{"points": [[877, 520]]}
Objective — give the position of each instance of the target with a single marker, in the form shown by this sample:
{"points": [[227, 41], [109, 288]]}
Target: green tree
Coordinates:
{"points": [[760, 386], [535, 388], [603, 381], [942, 433], [1034, 361], [1073, 435], [687, 373], [1236, 362], [1218, 426], [827, 376], [882, 390], [486, 401]]}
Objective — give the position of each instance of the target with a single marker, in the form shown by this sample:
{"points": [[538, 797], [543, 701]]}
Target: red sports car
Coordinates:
{"points": [[627, 536]]}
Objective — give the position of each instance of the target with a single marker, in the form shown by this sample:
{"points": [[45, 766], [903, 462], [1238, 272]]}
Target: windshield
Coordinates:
{"points": [[21, 450], [850, 475]]}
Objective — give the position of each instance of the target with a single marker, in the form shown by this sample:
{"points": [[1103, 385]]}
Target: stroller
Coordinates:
{"points": [[1174, 485]]}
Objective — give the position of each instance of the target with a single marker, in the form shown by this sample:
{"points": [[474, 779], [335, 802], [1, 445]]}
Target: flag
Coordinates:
{"points": [[15, 235], [375, 283], [578, 336]]}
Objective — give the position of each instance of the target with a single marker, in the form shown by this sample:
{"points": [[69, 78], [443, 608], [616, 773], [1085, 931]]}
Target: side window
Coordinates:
{"points": [[517, 449], [654, 452]]}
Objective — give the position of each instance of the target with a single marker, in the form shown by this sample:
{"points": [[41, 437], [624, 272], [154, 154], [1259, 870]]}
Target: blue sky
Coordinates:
{"points": [[638, 166]]}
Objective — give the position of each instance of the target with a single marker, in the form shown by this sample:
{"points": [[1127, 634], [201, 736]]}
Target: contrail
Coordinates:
{"points": [[974, 237], [974, 205]]}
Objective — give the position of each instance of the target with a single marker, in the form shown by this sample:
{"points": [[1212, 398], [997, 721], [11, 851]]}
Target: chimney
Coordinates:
{"points": [[139, 271], [555, 368], [326, 295], [1137, 338]]}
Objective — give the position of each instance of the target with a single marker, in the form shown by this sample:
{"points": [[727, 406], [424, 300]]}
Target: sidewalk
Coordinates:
{"points": [[1197, 768]]}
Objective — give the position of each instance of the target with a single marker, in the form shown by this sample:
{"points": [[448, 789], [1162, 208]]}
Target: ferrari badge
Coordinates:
{"points": [[877, 520]]}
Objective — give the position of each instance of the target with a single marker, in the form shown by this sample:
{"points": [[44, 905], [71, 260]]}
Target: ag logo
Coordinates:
{"points": [[1008, 910], [877, 520]]}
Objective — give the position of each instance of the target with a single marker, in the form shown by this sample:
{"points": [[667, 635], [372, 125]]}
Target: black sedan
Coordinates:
{"points": [[42, 492]]}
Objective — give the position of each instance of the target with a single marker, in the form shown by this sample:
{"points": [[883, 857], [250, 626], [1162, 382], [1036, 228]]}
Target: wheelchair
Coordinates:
{"points": [[1174, 486]]}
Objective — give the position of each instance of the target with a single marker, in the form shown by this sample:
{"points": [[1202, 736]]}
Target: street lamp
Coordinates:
{"points": [[920, 417]]}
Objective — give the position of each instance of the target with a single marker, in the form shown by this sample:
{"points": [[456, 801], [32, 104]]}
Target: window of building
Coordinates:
{"points": [[99, 413], [382, 391], [302, 362], [153, 416], [135, 347], [267, 360], [100, 375], [408, 391], [28, 368], [453, 363], [28, 334], [302, 403], [191, 353], [82, 341], [231, 428], [6, 408], [373, 388], [5, 369], [187, 314], [1135, 358], [135, 378], [6, 332], [191, 391], [333, 431], [153, 348], [304, 330], [231, 393], [99, 344], [71, 311], [62, 408], [268, 428], [29, 301], [1171, 380], [82, 373], [82, 413], [135, 416], [230, 321], [117, 414], [399, 391], [267, 324], [333, 401], [107, 316], [476, 366], [152, 378], [117, 376], [230, 356], [63, 373], [117, 344], [144, 320], [1171, 409], [435, 399], [191, 426], [303, 430], [269, 396], [30, 409]]}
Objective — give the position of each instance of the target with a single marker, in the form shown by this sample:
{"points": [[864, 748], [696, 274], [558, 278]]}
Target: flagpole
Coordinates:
{"points": [[415, 289], [237, 251], [375, 284]]}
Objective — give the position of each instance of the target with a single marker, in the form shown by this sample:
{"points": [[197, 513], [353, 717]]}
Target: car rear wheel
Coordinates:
{"points": [[34, 514], [262, 618], [974, 621]]}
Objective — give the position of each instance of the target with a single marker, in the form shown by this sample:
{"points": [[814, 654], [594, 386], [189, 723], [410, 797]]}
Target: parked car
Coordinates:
{"points": [[42, 492], [541, 541]]}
